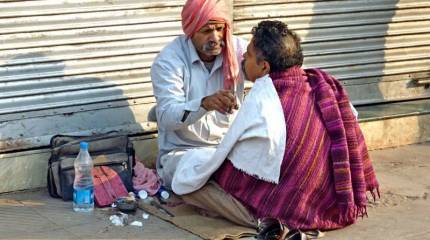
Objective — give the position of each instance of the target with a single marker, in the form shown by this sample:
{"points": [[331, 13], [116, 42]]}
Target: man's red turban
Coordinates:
{"points": [[196, 14]]}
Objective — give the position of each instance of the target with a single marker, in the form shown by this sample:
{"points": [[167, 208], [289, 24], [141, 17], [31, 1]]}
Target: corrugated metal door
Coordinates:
{"points": [[78, 66], [82, 66], [380, 49]]}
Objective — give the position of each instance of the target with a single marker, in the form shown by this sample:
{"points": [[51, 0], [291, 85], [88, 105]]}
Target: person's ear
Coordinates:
{"points": [[266, 67]]}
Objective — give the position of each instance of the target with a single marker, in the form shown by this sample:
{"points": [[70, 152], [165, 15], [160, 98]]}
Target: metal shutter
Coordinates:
{"points": [[379, 49], [78, 66]]}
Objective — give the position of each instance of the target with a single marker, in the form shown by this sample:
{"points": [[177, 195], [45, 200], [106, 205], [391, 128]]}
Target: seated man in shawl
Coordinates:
{"points": [[196, 83], [325, 170]]}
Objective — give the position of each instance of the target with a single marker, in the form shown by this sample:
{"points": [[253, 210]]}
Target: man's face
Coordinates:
{"points": [[250, 66], [209, 40]]}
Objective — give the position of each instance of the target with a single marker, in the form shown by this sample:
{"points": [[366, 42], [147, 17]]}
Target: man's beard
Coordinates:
{"points": [[211, 46]]}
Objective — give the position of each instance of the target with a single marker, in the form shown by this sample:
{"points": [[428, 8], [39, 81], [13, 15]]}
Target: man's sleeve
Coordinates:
{"points": [[173, 112]]}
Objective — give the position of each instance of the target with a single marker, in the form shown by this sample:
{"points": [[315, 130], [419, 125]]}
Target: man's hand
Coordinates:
{"points": [[222, 101]]}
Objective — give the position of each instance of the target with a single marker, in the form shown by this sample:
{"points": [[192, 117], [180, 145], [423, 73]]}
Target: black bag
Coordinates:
{"points": [[113, 150]]}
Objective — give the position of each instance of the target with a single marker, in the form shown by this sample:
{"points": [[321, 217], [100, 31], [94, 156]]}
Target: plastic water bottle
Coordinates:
{"points": [[83, 186]]}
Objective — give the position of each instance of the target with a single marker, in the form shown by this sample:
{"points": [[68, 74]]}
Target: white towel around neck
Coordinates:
{"points": [[254, 143]]}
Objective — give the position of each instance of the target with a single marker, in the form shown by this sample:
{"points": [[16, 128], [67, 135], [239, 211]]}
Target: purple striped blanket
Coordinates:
{"points": [[326, 169]]}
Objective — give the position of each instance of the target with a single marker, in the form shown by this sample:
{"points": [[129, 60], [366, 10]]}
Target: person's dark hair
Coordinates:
{"points": [[278, 45]]}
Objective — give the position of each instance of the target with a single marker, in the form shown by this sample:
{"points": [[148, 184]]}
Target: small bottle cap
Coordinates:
{"points": [[84, 145], [165, 195], [142, 194]]}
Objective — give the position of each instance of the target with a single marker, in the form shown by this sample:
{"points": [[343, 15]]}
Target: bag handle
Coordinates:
{"points": [[82, 138]]}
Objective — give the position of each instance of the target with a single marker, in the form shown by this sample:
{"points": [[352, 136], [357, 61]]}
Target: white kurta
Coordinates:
{"points": [[180, 80], [255, 143]]}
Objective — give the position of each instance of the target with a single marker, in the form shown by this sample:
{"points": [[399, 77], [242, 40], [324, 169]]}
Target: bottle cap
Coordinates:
{"points": [[84, 145], [165, 195], [142, 194]]}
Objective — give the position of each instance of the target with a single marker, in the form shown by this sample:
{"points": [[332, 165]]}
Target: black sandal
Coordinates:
{"points": [[271, 229]]}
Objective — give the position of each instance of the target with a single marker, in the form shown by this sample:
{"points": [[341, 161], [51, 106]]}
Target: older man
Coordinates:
{"points": [[196, 84]]}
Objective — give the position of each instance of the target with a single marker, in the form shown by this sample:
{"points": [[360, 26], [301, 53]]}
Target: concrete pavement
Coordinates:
{"points": [[403, 212]]}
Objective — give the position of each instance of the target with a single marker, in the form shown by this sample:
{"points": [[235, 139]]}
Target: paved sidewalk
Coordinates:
{"points": [[403, 212]]}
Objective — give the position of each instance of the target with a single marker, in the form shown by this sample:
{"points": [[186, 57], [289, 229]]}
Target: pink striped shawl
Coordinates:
{"points": [[326, 169]]}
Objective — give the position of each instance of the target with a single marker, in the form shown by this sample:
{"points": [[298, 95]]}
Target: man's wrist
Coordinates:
{"points": [[202, 103]]}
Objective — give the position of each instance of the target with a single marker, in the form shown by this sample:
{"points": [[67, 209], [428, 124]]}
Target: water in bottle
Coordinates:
{"points": [[83, 186]]}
